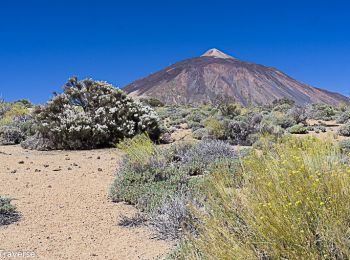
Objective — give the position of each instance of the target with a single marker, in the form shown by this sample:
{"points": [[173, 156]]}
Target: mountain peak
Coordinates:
{"points": [[216, 54]]}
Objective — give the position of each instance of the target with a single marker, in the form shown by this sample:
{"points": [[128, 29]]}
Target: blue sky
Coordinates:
{"points": [[43, 43]]}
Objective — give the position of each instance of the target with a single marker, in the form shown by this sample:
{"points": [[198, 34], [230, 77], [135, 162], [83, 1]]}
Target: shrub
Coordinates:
{"points": [[139, 149], [15, 122], [345, 145], [215, 127], [282, 108], [321, 112], [298, 114], [240, 132], [162, 183], [8, 213], [200, 133], [344, 130], [283, 101], [343, 117], [298, 129], [195, 125], [293, 203], [153, 102], [319, 128], [134, 221], [11, 135], [230, 109], [92, 114], [169, 219]]}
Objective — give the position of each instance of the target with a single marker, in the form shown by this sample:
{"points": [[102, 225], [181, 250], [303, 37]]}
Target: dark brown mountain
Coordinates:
{"points": [[216, 76]]}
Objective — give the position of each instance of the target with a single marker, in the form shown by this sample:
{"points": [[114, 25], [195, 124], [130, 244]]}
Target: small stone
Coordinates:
{"points": [[69, 168], [14, 171], [74, 164], [21, 162], [67, 158], [98, 157], [37, 170], [57, 169], [99, 169], [49, 186], [46, 165]]}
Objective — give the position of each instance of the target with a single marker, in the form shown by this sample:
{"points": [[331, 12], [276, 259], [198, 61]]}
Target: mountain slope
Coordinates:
{"points": [[215, 76]]}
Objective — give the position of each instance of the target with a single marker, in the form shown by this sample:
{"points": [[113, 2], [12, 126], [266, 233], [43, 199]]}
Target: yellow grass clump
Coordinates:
{"points": [[293, 202]]}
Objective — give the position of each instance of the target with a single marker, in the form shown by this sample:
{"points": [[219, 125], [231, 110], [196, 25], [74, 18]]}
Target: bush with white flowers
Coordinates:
{"points": [[91, 114]]}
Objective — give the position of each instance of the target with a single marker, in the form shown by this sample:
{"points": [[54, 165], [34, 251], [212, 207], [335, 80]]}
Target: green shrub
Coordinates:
{"points": [[215, 127], [8, 213], [15, 122], [298, 129], [195, 125], [200, 133], [321, 112], [139, 149], [153, 102], [230, 109], [282, 108], [292, 203], [91, 114], [320, 128], [283, 101]]}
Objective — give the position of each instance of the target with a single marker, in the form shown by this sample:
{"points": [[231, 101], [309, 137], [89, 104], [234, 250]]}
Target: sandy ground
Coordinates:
{"points": [[66, 213]]}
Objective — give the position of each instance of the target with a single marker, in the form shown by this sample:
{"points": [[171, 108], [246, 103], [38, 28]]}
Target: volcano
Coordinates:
{"points": [[217, 76]]}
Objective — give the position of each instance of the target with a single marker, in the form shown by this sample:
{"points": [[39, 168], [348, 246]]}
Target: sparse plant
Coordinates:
{"points": [[134, 221], [8, 213]]}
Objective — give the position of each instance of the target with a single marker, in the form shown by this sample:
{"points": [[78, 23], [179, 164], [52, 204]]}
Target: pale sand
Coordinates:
{"points": [[67, 214]]}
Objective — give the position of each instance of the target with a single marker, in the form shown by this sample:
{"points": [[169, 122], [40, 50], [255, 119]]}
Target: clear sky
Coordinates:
{"points": [[43, 43]]}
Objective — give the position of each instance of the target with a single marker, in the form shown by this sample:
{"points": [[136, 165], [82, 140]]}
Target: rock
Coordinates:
{"points": [[21, 162], [99, 169]]}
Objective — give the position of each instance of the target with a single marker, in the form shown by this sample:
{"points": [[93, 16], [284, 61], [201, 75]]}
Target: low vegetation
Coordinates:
{"points": [[291, 202], [161, 180], [15, 122], [8, 213], [285, 197]]}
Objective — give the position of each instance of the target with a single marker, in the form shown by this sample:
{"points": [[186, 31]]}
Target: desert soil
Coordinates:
{"points": [[66, 212]]}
